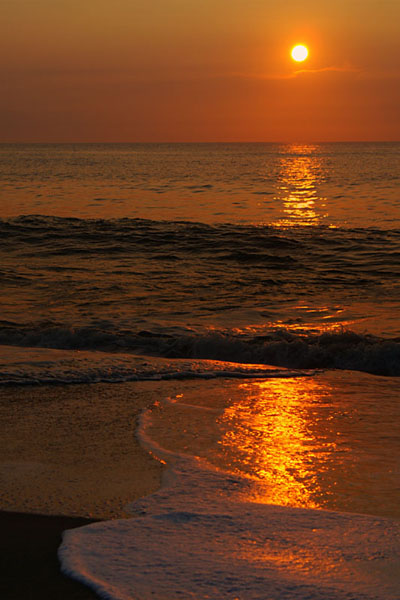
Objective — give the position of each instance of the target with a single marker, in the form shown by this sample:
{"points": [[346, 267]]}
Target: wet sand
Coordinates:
{"points": [[68, 456], [29, 568]]}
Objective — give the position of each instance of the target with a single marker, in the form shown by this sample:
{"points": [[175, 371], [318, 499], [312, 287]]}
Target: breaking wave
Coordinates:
{"points": [[334, 350]]}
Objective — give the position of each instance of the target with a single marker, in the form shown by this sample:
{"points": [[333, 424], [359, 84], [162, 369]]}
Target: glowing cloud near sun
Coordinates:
{"points": [[299, 53]]}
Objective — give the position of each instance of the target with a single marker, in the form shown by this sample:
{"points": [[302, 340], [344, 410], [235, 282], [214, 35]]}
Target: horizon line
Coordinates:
{"points": [[59, 143]]}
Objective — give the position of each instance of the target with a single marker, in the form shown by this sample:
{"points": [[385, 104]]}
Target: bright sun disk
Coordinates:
{"points": [[299, 53]]}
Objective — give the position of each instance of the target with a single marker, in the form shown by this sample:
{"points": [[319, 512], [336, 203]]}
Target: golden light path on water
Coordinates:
{"points": [[300, 175], [315, 442], [324, 441], [271, 436]]}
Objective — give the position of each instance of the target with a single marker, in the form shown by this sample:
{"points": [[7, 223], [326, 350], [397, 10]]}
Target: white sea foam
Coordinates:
{"points": [[201, 537], [196, 538]]}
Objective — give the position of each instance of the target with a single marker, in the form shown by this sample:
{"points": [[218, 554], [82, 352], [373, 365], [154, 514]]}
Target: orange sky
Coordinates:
{"points": [[199, 70]]}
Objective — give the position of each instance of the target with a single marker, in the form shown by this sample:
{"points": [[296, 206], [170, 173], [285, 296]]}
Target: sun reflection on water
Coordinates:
{"points": [[300, 175], [325, 441], [275, 436]]}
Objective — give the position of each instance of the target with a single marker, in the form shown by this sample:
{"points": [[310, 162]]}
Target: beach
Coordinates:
{"points": [[200, 300], [199, 362], [77, 455]]}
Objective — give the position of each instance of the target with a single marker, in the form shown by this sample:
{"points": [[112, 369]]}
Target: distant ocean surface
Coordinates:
{"points": [[218, 262]]}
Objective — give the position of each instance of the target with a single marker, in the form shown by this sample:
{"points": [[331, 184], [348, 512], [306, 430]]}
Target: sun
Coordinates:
{"points": [[299, 53]]}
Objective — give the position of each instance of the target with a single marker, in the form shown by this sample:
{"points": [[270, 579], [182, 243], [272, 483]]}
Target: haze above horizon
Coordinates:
{"points": [[175, 71]]}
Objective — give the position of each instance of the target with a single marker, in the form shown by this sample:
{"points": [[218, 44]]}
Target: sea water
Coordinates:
{"points": [[222, 261]]}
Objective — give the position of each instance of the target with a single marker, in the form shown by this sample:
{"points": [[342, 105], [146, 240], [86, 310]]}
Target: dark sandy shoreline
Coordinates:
{"points": [[71, 450], [68, 457], [29, 568]]}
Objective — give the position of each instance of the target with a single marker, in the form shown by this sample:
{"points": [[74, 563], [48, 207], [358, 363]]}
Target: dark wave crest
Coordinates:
{"points": [[336, 350]]}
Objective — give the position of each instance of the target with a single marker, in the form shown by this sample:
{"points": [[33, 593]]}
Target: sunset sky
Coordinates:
{"points": [[204, 70]]}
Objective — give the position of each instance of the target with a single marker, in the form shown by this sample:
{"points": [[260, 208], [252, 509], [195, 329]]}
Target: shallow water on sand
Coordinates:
{"points": [[247, 465], [326, 441]]}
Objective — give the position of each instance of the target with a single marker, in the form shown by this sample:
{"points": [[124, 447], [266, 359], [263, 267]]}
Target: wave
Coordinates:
{"points": [[304, 258], [342, 349], [29, 366], [199, 537], [129, 284], [125, 232]]}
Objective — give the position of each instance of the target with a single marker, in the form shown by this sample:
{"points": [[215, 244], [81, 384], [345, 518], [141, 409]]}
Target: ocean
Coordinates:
{"points": [[260, 282]]}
